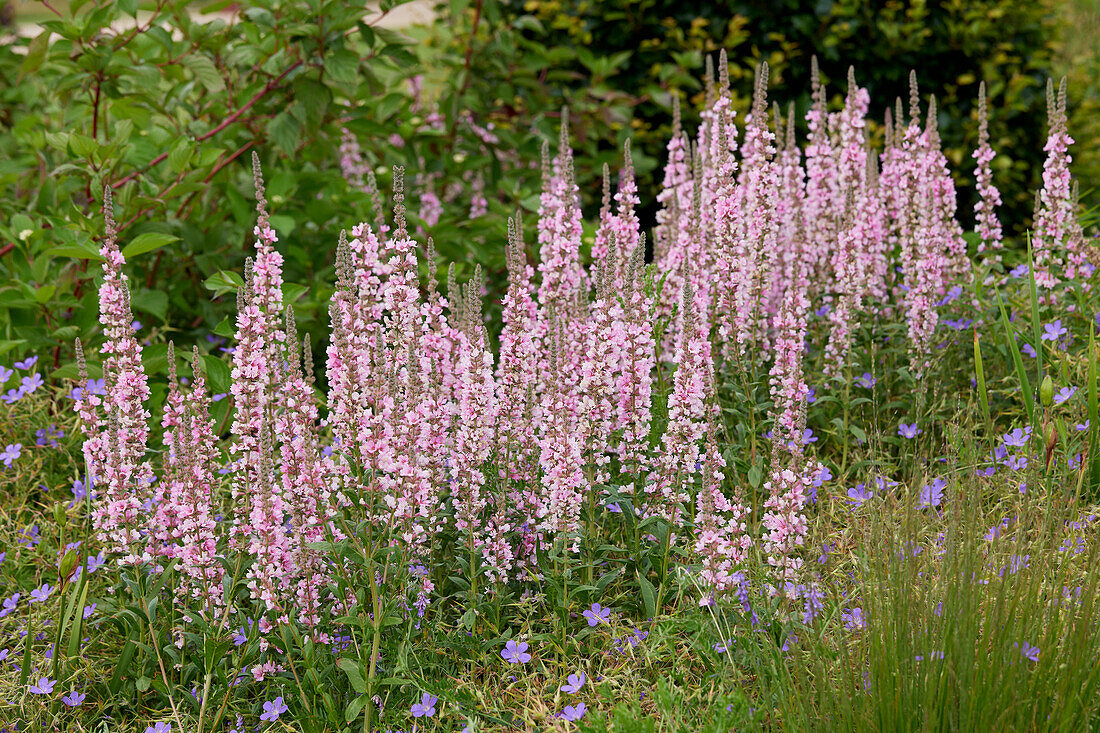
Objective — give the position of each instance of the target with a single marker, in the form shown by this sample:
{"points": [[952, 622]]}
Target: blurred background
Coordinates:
{"points": [[165, 101]]}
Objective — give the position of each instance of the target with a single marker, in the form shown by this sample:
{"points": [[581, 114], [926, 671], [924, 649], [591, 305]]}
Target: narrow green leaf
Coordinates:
{"points": [[1017, 361], [979, 368], [649, 595], [147, 242]]}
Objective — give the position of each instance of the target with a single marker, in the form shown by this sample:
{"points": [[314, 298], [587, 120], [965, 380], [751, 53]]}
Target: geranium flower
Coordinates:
{"points": [[516, 653], [426, 707], [596, 614], [573, 684], [73, 699], [44, 686], [908, 431], [573, 713], [1054, 331], [26, 363], [932, 494], [273, 709], [11, 452], [41, 593]]}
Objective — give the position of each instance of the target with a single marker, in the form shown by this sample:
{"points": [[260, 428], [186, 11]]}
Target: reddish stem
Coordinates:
{"points": [[221, 126]]}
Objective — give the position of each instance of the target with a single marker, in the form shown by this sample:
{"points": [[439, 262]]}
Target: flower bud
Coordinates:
{"points": [[1046, 391], [68, 563], [1051, 442]]}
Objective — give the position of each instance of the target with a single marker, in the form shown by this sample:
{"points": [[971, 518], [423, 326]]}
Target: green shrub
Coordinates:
{"points": [[641, 51]]}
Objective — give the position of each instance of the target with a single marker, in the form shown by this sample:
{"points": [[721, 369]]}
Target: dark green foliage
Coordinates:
{"points": [[642, 51]]}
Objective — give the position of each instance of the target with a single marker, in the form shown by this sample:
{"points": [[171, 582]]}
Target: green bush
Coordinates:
{"points": [[167, 112], [656, 47]]}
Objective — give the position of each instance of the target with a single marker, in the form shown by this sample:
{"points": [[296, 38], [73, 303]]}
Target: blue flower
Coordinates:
{"points": [[1053, 331], [516, 653], [273, 709], [426, 707], [574, 684], [908, 431], [573, 713], [932, 494], [596, 614]]}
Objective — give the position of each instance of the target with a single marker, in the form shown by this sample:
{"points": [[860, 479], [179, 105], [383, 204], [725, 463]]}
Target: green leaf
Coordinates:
{"points": [[282, 224], [343, 66], [355, 708], [180, 155], [285, 131], [223, 281], [78, 250], [147, 242], [292, 292], [355, 675], [153, 302], [81, 145], [226, 328], [649, 595], [36, 54], [205, 72], [217, 373]]}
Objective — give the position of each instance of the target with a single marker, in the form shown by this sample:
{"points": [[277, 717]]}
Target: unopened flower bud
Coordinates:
{"points": [[1046, 391]]}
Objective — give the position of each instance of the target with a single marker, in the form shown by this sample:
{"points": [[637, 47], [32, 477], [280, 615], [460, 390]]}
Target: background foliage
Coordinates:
{"points": [[165, 99]]}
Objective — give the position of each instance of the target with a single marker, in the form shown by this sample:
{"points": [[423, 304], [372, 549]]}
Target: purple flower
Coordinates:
{"points": [[1016, 463], [31, 383], [5, 374], [89, 610], [73, 699], [1064, 394], [822, 311], [44, 686], [854, 619], [574, 684], [596, 614], [1017, 438], [1054, 331], [1031, 652], [516, 653], [161, 727], [573, 713], [1082, 426], [42, 593], [95, 563], [12, 395], [908, 431], [95, 386], [426, 707], [273, 709], [866, 381], [808, 437], [811, 395], [859, 494], [1018, 271], [1029, 350], [26, 363], [10, 604], [932, 494], [11, 452]]}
